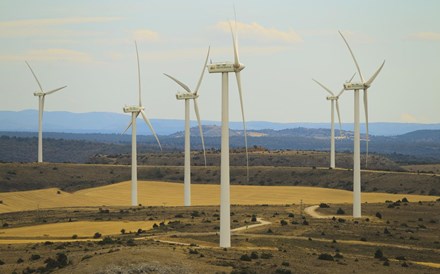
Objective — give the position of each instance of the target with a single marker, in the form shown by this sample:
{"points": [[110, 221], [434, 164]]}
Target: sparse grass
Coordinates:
{"points": [[267, 252]]}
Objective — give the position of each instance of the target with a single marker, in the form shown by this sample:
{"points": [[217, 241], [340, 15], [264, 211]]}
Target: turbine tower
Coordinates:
{"points": [[356, 149], [188, 95], [333, 98], [135, 110], [225, 68], [41, 96]]}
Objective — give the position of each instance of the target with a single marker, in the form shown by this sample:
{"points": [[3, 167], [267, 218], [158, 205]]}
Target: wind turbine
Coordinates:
{"points": [[225, 68], [187, 96], [135, 110], [333, 98], [41, 96], [364, 85]]}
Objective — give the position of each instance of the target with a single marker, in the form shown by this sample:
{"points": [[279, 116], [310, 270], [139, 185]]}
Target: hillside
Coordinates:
{"points": [[411, 148], [72, 177], [108, 122]]}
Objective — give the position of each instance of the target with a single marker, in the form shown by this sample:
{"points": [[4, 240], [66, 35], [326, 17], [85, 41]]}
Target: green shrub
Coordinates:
{"points": [[35, 257], [107, 240], [266, 255], [246, 258], [378, 254], [254, 218], [283, 271], [254, 255], [325, 257]]}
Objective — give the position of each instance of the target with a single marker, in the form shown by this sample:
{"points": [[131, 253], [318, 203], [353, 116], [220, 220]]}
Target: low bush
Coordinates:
{"points": [[254, 255], [378, 254], [266, 255], [323, 205], [35, 257], [283, 271], [245, 257], [325, 257]]}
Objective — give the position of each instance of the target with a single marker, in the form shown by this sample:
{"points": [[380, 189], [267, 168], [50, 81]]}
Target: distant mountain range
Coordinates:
{"points": [[107, 122]]}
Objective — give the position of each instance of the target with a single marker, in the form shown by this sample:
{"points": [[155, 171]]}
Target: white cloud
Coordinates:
{"points": [[146, 35], [259, 32], [49, 27], [425, 36], [49, 55], [56, 21]]}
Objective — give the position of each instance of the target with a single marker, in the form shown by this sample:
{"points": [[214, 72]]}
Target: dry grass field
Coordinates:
{"points": [[38, 225], [153, 193], [65, 231], [406, 234]]}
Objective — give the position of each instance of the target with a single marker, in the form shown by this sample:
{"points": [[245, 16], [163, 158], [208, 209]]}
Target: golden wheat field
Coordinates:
{"points": [[171, 194], [65, 230]]}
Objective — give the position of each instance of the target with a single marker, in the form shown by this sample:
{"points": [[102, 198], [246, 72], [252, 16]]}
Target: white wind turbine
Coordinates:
{"points": [[187, 96], [41, 96], [364, 85], [333, 98], [225, 68], [135, 110]]}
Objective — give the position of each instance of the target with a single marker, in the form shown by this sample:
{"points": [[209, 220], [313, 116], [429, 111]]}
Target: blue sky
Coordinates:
{"points": [[89, 46]]}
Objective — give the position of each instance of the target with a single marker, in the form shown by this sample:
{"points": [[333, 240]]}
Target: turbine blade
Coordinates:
{"points": [[339, 117], [342, 90], [368, 83], [151, 127], [139, 73], [366, 124], [354, 58], [237, 75], [129, 125], [203, 71], [185, 87], [324, 87], [55, 90], [234, 41], [35, 76], [196, 109]]}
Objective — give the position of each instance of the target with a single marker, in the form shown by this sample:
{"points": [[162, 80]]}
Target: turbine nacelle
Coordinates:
{"points": [[225, 67], [39, 93], [355, 86], [186, 95], [332, 97], [129, 109]]}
